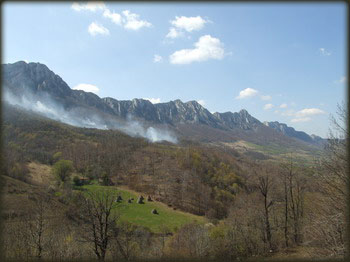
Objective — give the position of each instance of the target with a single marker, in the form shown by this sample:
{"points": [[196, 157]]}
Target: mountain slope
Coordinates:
{"points": [[34, 84], [291, 132]]}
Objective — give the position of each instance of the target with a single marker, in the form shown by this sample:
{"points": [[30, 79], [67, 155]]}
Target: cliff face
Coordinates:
{"points": [[37, 80]]}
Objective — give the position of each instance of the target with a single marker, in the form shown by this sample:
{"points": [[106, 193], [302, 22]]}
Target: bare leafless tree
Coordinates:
{"points": [[264, 185], [333, 173], [98, 216], [37, 224], [294, 190]]}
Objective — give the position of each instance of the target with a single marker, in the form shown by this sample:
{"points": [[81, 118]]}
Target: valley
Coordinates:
{"points": [[168, 131], [216, 181]]}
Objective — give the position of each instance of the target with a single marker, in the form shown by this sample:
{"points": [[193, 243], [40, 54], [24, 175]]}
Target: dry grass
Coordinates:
{"points": [[295, 253], [40, 174]]}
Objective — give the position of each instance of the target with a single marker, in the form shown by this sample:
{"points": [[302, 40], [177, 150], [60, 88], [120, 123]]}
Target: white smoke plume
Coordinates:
{"points": [[134, 128], [79, 117]]}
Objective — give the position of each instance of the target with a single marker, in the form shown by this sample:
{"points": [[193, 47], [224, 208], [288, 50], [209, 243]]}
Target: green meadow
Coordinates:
{"points": [[141, 214]]}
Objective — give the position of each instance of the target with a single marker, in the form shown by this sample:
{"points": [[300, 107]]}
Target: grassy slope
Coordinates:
{"points": [[141, 214], [277, 152]]}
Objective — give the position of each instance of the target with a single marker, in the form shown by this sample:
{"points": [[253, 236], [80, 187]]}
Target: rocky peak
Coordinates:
{"points": [[36, 78], [137, 102], [22, 77], [318, 139], [243, 112], [289, 131], [281, 127], [244, 116], [242, 120]]}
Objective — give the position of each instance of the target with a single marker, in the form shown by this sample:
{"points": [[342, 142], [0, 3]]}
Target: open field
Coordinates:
{"points": [[274, 152], [140, 214]]}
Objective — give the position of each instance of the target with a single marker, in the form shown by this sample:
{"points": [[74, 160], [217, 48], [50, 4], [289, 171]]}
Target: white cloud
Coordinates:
{"points": [[342, 80], [173, 33], [298, 120], [157, 59], [248, 92], [309, 112], [283, 106], [89, 6], [128, 20], [189, 23], [206, 48], [265, 98], [268, 106], [290, 112], [153, 100], [132, 21], [201, 102], [324, 52], [305, 115], [95, 29], [115, 17], [87, 88]]}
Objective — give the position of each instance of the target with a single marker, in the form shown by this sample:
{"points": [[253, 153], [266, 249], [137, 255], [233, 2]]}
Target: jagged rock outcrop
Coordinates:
{"points": [[22, 77], [38, 80], [242, 120], [163, 113]]}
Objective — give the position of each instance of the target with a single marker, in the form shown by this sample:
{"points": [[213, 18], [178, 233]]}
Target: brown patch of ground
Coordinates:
{"points": [[294, 253], [239, 145], [40, 174]]}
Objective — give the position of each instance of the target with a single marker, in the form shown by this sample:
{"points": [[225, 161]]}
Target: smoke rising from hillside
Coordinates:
{"points": [[81, 117]]}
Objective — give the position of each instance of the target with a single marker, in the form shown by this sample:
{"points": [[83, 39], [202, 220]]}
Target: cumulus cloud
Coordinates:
{"points": [[174, 33], [95, 29], [153, 100], [309, 112], [248, 92], [304, 115], [87, 88], [324, 52], [268, 106], [265, 97], [300, 120], [114, 17], [127, 19], [189, 24], [89, 6], [133, 22], [157, 59], [290, 112], [201, 102], [206, 48], [283, 106]]}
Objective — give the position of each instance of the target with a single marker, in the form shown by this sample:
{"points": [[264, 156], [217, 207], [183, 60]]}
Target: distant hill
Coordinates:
{"points": [[35, 87], [291, 132]]}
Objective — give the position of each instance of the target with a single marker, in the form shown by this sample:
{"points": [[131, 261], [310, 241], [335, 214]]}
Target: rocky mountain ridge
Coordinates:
{"points": [[291, 132], [38, 80]]}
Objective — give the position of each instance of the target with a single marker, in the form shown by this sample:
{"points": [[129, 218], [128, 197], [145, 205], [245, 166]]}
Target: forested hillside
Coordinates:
{"points": [[55, 174]]}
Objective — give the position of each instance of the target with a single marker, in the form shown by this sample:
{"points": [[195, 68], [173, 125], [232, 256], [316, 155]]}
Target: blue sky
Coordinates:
{"points": [[281, 62]]}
